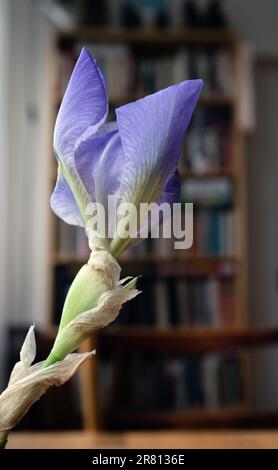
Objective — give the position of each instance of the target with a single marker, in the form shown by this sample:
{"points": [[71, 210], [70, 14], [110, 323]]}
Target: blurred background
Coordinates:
{"points": [[199, 347]]}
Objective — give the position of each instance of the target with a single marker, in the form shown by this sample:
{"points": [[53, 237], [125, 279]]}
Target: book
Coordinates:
{"points": [[161, 304], [185, 301], [180, 66], [193, 374], [182, 302], [218, 191], [210, 368], [230, 380]]}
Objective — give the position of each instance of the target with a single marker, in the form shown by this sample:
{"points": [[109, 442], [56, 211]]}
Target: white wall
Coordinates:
{"points": [[4, 56], [28, 160], [25, 163], [263, 228]]}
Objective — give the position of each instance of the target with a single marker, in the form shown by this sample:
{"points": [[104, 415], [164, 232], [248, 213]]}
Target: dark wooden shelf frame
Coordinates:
{"points": [[230, 417], [187, 340], [154, 36]]}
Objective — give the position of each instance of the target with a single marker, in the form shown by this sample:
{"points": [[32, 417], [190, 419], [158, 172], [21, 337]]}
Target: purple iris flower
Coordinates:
{"points": [[134, 158]]}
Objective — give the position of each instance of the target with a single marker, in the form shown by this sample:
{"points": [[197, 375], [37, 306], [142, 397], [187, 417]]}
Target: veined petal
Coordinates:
{"points": [[64, 200], [83, 111], [100, 161], [84, 107], [170, 194], [96, 172], [172, 189], [152, 131], [63, 203]]}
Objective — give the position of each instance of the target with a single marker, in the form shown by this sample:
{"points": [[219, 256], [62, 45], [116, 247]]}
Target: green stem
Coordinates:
{"points": [[118, 245], [3, 439], [52, 359]]}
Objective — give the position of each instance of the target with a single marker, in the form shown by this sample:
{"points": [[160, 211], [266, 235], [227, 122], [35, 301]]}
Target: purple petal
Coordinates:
{"points": [[87, 159], [172, 190], [83, 111], [84, 107], [100, 163], [64, 204], [152, 131], [170, 194]]}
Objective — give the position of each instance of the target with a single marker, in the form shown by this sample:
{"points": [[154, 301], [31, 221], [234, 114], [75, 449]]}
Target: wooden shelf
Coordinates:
{"points": [[216, 100], [204, 263], [154, 36], [232, 417], [66, 259], [181, 340], [185, 340], [187, 174], [181, 265], [155, 265], [193, 257]]}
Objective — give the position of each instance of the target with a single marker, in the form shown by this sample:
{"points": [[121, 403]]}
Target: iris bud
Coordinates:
{"points": [[93, 301], [100, 274]]}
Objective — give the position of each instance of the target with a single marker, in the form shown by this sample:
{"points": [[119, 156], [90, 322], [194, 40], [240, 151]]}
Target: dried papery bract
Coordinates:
{"points": [[29, 382]]}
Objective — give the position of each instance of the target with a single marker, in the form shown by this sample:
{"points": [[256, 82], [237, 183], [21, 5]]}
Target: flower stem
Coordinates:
{"points": [[51, 359], [118, 245], [3, 439]]}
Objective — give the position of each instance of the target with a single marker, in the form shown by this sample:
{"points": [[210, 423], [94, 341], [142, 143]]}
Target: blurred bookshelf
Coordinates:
{"points": [[192, 300]]}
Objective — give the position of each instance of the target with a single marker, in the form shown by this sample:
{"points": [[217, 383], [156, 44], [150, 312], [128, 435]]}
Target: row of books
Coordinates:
{"points": [[214, 231], [212, 65], [158, 382], [167, 300], [185, 301], [125, 13], [149, 13], [148, 73], [213, 234]]}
